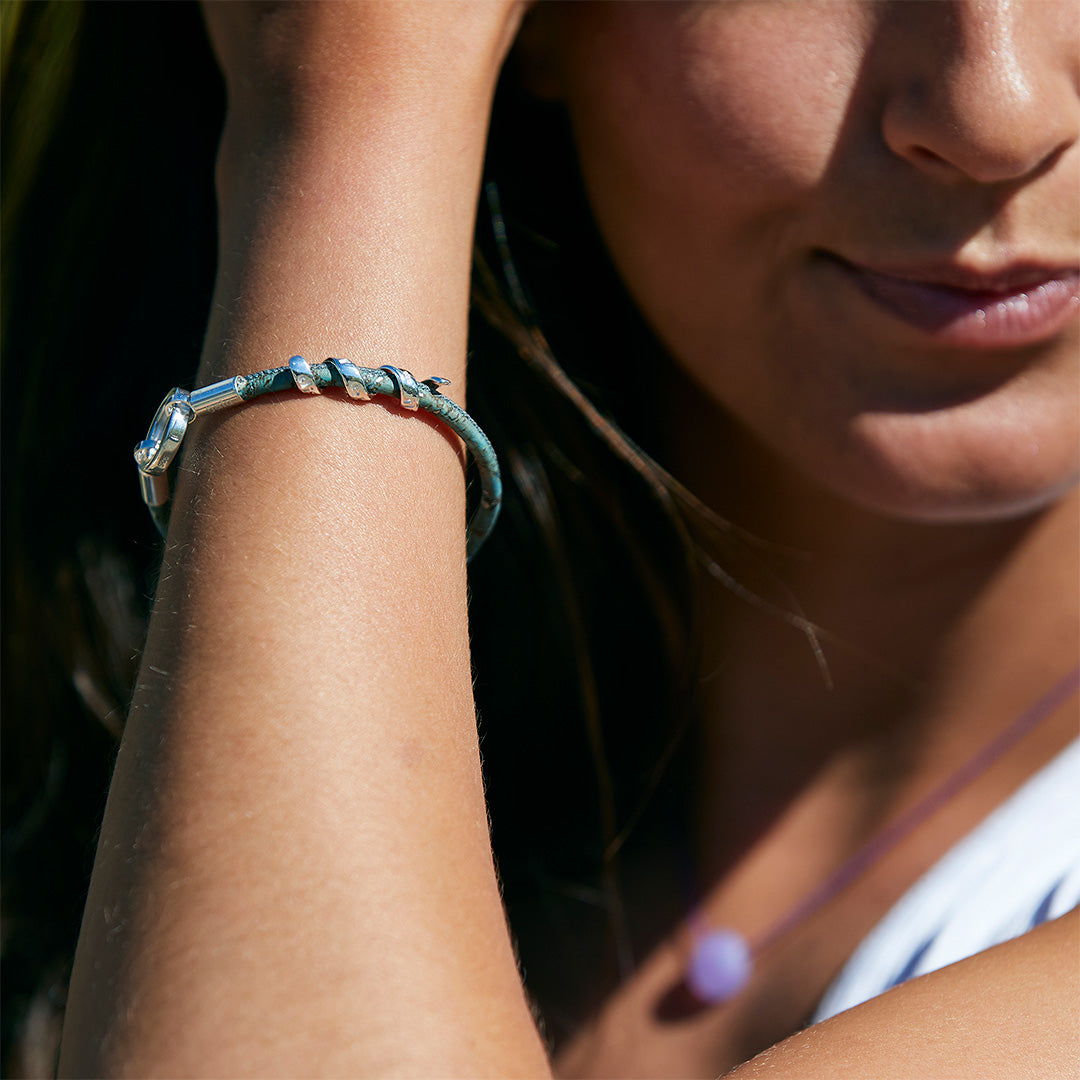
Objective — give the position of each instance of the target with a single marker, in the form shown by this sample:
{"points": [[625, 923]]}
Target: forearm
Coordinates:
{"points": [[294, 876]]}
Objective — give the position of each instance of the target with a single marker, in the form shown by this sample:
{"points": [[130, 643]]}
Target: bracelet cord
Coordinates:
{"points": [[155, 454]]}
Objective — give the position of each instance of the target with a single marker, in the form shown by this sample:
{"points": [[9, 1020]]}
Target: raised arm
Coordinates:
{"points": [[294, 875]]}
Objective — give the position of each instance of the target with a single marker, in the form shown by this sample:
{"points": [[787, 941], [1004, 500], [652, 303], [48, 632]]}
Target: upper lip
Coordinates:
{"points": [[1005, 279]]}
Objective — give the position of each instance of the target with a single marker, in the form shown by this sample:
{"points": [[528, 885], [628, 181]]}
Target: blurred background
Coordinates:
{"points": [[109, 110]]}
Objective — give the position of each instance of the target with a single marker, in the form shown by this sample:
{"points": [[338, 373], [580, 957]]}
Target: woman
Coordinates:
{"points": [[852, 230]]}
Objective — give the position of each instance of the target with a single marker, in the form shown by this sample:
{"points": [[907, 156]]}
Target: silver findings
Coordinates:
{"points": [[350, 378], [219, 395], [154, 488], [406, 385], [156, 452], [303, 375]]}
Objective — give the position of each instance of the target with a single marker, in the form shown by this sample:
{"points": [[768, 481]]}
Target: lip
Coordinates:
{"points": [[1013, 305]]}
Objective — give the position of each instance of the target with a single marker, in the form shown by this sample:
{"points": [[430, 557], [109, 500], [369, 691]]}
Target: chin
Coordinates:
{"points": [[941, 469], [971, 507]]}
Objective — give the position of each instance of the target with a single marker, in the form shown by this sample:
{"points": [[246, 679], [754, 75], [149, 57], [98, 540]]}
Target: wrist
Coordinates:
{"points": [[287, 66], [348, 236], [359, 250]]}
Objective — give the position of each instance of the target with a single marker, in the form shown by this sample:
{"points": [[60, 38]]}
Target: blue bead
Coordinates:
{"points": [[720, 966]]}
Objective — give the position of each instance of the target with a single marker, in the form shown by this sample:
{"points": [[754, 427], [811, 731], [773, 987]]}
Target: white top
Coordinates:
{"points": [[1018, 868]]}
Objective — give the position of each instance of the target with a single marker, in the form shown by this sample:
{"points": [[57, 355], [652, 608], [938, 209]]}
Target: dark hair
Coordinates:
{"points": [[110, 119]]}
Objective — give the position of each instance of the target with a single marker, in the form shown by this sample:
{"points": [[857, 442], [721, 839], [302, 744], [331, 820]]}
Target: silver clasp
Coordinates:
{"points": [[156, 452]]}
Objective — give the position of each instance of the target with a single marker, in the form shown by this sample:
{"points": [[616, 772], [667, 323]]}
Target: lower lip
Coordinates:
{"points": [[968, 318]]}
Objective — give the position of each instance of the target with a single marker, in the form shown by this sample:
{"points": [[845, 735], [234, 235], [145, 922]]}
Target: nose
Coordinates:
{"points": [[988, 92]]}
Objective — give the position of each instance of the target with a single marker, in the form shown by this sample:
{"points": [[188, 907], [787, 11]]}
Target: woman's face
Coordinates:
{"points": [[855, 225]]}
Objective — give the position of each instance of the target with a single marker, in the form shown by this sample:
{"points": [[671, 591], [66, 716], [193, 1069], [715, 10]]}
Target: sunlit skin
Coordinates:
{"points": [[734, 151]]}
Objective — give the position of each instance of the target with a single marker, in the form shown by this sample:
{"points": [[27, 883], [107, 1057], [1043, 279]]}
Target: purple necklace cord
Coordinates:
{"points": [[721, 960]]}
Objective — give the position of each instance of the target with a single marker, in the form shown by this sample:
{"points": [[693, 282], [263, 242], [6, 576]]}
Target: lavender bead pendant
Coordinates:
{"points": [[720, 966]]}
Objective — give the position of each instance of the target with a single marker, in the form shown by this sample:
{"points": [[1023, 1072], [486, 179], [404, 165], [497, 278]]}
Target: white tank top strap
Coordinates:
{"points": [[1018, 868]]}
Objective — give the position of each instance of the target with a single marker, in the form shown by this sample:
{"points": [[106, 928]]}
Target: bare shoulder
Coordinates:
{"points": [[1012, 1011]]}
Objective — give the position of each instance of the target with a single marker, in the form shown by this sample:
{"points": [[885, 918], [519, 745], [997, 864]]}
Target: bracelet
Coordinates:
{"points": [[157, 452]]}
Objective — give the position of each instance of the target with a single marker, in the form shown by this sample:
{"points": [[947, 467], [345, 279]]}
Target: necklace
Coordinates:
{"points": [[722, 960]]}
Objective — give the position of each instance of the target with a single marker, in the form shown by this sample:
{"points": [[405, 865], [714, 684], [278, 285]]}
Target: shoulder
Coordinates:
{"points": [[1011, 1010], [1018, 869]]}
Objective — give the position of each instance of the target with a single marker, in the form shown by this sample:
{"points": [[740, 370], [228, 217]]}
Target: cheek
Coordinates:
{"points": [[708, 115], [704, 133]]}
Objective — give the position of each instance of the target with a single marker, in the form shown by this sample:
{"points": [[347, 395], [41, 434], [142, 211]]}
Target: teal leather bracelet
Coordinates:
{"points": [[156, 454]]}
